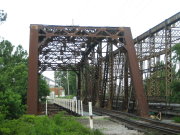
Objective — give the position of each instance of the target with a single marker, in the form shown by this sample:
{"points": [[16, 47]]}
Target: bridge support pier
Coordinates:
{"points": [[32, 94]]}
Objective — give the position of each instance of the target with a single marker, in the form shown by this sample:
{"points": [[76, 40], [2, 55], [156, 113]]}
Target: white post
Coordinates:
{"points": [[90, 115], [76, 106], [46, 106], [73, 105], [79, 112], [81, 108], [70, 104], [60, 102], [65, 104]]}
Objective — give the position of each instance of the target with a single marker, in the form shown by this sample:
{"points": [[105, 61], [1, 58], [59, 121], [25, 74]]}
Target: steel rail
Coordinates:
{"points": [[140, 122]]}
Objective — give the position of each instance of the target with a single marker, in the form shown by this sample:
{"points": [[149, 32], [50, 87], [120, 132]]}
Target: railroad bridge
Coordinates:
{"points": [[111, 66]]}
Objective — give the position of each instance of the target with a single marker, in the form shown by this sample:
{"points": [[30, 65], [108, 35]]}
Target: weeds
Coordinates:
{"points": [[176, 119], [59, 124]]}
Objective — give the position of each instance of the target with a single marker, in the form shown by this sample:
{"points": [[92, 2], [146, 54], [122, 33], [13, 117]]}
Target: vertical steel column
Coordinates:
{"points": [[152, 64], [111, 76], [125, 103], [150, 79], [90, 86], [141, 53], [105, 76], [32, 94], [168, 64], [141, 100], [99, 81], [120, 74], [93, 72]]}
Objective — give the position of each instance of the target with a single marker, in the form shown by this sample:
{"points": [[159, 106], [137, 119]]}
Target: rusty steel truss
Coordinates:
{"points": [[113, 69], [153, 49], [104, 59]]}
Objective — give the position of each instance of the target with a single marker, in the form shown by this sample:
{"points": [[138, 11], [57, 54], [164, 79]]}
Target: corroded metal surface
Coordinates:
{"points": [[97, 55], [153, 49], [105, 62], [32, 94]]}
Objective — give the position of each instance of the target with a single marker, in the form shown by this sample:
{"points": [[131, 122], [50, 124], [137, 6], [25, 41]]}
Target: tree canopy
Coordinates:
{"points": [[13, 80], [3, 16], [176, 49], [61, 80], [176, 82]]}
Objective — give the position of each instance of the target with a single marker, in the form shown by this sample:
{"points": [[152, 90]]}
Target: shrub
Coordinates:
{"points": [[175, 91], [42, 125], [176, 119], [11, 104]]}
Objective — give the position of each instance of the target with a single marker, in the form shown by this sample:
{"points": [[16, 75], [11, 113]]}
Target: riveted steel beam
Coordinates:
{"points": [[97, 54], [141, 100], [32, 94]]}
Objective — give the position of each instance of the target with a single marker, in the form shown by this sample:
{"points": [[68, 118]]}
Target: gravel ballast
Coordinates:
{"points": [[107, 126]]}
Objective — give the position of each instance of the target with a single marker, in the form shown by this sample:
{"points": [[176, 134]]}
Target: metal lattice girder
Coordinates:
{"points": [[153, 49], [70, 45], [88, 51]]}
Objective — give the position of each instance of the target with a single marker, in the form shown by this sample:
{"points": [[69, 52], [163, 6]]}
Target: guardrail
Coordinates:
{"points": [[73, 105]]}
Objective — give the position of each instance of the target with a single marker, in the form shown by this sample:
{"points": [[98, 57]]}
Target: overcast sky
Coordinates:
{"points": [[140, 15]]}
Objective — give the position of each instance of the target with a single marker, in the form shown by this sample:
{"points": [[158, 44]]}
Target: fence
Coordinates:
{"points": [[73, 105]]}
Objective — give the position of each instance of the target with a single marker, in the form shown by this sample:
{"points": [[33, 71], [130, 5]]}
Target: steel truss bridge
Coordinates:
{"points": [[110, 65]]}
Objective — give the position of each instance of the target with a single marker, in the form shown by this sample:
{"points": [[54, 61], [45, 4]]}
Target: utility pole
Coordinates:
{"points": [[67, 81]]}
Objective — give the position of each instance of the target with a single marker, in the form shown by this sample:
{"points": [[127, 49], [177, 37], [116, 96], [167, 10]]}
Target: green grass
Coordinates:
{"points": [[176, 119], [152, 133], [59, 124], [134, 118]]}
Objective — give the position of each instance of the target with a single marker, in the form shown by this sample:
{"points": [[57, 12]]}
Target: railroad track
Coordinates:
{"points": [[139, 122]]}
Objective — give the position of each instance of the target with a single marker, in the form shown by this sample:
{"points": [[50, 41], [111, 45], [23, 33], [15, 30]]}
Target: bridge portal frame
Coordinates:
{"points": [[39, 36]]}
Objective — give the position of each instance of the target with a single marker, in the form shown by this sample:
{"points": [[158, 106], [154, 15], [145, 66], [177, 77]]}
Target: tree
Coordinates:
{"points": [[175, 91], [155, 84], [43, 89], [176, 82], [176, 58], [10, 104], [72, 83], [13, 80], [3, 16], [176, 49], [13, 69], [61, 80], [6, 49]]}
